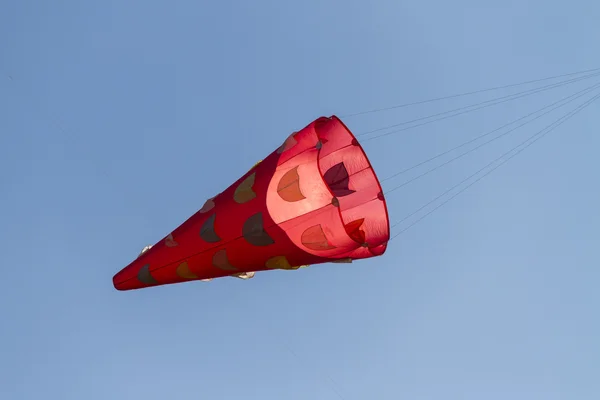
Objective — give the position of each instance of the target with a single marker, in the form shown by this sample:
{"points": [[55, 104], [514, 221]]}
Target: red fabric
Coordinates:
{"points": [[316, 199]]}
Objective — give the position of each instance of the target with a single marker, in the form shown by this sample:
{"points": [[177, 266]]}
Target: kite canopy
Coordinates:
{"points": [[315, 199]]}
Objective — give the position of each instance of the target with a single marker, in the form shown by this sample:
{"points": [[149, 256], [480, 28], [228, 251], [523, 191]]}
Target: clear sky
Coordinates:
{"points": [[119, 118]]}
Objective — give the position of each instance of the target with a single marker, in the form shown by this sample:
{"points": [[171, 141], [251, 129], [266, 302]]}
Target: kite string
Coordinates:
{"points": [[574, 97], [465, 93], [466, 109], [540, 134]]}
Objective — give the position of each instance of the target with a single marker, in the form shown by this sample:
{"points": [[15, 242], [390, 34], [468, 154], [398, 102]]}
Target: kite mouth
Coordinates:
{"points": [[340, 181]]}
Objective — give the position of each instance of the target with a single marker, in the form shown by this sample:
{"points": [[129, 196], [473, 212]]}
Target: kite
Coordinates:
{"points": [[316, 199]]}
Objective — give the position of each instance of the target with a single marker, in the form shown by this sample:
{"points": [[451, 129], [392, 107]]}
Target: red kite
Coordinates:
{"points": [[315, 199]]}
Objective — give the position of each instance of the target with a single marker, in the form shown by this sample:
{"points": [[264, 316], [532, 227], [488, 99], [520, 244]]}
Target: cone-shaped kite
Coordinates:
{"points": [[315, 199]]}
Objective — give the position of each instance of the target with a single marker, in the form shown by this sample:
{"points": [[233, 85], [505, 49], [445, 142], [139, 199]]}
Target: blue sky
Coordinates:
{"points": [[120, 118]]}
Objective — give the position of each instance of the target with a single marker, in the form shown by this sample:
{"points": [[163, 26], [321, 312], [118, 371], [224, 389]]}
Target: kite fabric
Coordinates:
{"points": [[315, 199]]}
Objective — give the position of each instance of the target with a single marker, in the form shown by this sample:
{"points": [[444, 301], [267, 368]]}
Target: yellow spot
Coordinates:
{"points": [[221, 261], [183, 271], [289, 186], [280, 262], [314, 238], [244, 193], [255, 165], [346, 260]]}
